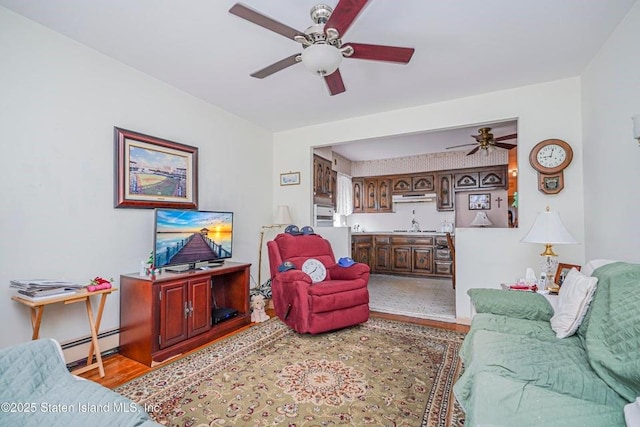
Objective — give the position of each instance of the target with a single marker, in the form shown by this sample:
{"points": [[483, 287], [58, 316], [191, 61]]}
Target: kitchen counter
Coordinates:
{"points": [[399, 233]]}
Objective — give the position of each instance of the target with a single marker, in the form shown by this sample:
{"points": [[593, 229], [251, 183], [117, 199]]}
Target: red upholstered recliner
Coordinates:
{"points": [[341, 300]]}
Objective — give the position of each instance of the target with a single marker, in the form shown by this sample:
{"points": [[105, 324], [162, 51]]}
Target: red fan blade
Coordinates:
{"points": [[264, 21], [276, 66], [344, 14], [504, 138], [473, 151], [505, 146], [376, 52], [335, 83]]}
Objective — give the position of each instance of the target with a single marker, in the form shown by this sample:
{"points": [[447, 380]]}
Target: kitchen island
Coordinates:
{"points": [[412, 253]]}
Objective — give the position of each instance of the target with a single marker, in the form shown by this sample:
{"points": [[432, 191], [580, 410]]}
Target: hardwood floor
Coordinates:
{"points": [[119, 369]]}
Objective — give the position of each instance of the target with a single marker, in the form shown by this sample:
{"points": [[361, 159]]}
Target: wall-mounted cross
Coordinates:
{"points": [[499, 199]]}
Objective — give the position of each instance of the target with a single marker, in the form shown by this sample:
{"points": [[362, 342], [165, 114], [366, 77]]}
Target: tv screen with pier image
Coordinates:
{"points": [[187, 237]]}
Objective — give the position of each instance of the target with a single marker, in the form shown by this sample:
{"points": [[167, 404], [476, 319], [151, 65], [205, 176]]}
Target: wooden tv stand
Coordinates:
{"points": [[169, 314]]}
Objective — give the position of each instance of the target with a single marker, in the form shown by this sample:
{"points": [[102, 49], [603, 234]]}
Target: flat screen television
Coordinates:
{"points": [[189, 236]]}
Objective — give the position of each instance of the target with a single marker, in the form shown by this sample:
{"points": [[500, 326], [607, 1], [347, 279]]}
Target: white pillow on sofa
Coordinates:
{"points": [[574, 298]]}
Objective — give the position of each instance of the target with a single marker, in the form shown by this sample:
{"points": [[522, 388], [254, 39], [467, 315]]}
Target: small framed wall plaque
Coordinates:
{"points": [[479, 202], [290, 178]]}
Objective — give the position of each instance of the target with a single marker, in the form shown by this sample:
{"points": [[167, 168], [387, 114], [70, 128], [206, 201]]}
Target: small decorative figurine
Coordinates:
{"points": [[257, 305]]}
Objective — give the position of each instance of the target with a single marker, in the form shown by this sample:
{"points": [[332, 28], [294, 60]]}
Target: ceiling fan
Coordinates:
{"points": [[486, 142], [322, 44]]}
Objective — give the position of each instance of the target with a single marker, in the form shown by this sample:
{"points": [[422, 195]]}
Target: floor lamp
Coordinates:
{"points": [[548, 229], [282, 217]]}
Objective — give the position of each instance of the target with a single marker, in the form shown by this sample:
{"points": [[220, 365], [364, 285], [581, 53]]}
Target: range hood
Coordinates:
{"points": [[414, 198]]}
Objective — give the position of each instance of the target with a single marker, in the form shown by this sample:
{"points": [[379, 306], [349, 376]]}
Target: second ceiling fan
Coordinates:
{"points": [[486, 142], [323, 49]]}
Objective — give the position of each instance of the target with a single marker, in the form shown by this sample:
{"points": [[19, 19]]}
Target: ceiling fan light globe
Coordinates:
{"points": [[321, 59]]}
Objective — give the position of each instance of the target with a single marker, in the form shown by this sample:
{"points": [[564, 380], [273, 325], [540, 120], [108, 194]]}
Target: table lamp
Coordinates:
{"points": [[548, 229], [481, 220]]}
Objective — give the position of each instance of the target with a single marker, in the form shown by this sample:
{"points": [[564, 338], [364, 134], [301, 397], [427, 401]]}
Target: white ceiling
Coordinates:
{"points": [[463, 48]]}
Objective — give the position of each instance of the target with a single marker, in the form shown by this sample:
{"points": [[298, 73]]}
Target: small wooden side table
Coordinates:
{"points": [[37, 309]]}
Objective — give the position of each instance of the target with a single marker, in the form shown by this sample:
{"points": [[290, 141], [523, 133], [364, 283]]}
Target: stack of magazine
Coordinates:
{"points": [[38, 290]]}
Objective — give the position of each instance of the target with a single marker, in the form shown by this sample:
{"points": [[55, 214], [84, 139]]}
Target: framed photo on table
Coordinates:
{"points": [[562, 271], [154, 173]]}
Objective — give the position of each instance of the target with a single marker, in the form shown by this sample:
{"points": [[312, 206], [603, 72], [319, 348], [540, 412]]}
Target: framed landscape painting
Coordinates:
{"points": [[154, 173]]}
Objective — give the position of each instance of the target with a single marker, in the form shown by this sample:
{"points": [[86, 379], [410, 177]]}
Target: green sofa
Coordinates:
{"points": [[36, 389], [518, 373]]}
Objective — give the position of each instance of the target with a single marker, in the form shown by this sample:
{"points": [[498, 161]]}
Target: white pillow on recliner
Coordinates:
{"points": [[574, 298]]}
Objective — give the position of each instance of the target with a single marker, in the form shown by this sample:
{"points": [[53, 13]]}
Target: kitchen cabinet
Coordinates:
{"points": [[494, 178], [412, 254], [412, 183], [324, 181], [377, 195], [171, 313], [485, 178], [409, 254], [374, 194], [358, 195], [423, 183], [444, 192], [383, 257], [362, 249], [465, 180], [442, 258]]}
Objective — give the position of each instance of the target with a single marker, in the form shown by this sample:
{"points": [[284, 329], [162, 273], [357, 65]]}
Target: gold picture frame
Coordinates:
{"points": [[562, 271]]}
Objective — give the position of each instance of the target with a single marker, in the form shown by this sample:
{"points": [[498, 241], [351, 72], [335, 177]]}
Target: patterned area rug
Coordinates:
{"points": [[383, 373], [433, 299]]}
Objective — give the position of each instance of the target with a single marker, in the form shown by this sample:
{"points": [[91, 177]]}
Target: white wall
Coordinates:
{"points": [[485, 257], [611, 95], [59, 103]]}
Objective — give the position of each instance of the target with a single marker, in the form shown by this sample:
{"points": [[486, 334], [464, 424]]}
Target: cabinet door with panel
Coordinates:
{"points": [[382, 262], [444, 192], [378, 197], [495, 178], [465, 180], [185, 310], [358, 195], [422, 260], [401, 184], [423, 183], [401, 259], [199, 306], [384, 196], [174, 313], [362, 248]]}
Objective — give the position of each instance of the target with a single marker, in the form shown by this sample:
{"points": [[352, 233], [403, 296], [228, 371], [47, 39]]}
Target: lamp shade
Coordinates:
{"points": [[549, 229], [321, 59], [481, 220], [283, 216]]}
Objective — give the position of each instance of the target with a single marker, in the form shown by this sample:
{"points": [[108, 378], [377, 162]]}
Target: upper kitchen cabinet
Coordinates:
{"points": [[377, 192], [412, 183], [324, 182], [494, 178], [483, 178], [444, 192], [358, 195]]}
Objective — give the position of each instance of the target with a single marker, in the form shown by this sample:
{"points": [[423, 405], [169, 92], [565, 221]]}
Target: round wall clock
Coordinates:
{"points": [[315, 269], [550, 157]]}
